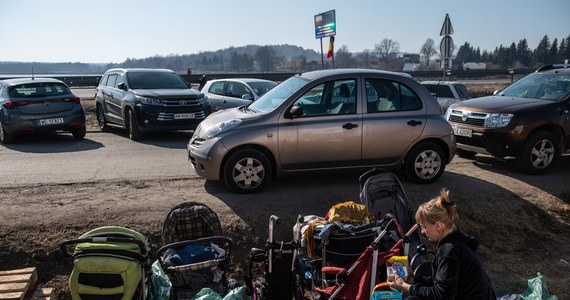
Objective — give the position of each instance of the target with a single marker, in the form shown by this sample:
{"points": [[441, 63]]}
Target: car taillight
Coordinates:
{"points": [[74, 99], [14, 104]]}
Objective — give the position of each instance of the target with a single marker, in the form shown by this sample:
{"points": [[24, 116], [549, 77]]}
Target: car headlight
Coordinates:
{"points": [[221, 127], [498, 120], [149, 101]]}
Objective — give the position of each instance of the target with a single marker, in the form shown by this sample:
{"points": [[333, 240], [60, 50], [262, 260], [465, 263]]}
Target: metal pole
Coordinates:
{"points": [[322, 57]]}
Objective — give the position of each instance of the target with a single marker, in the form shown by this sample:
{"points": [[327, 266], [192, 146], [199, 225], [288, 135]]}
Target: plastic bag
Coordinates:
{"points": [[536, 290], [160, 286]]}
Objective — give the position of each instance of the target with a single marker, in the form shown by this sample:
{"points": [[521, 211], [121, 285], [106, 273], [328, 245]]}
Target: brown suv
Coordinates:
{"points": [[529, 120]]}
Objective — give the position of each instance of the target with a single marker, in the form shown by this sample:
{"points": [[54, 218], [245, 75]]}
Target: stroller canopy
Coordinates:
{"points": [[190, 221]]}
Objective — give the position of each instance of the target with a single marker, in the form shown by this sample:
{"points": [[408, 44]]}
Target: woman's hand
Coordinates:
{"points": [[400, 284]]}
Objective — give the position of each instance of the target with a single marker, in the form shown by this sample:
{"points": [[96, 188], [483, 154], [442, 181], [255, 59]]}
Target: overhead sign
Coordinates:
{"points": [[446, 46], [325, 24], [447, 28]]}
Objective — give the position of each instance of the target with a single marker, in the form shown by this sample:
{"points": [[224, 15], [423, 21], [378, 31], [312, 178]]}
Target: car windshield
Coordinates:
{"points": [[262, 87], [540, 86], [155, 80], [277, 95], [38, 90]]}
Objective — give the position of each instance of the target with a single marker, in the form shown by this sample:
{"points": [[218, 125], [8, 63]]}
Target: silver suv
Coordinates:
{"points": [[143, 100], [324, 120]]}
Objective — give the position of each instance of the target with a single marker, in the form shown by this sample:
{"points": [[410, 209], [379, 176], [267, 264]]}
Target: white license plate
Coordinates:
{"points": [[462, 131], [184, 116], [52, 121]]}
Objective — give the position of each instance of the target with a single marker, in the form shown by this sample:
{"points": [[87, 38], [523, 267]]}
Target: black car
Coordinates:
{"points": [[29, 105], [144, 100]]}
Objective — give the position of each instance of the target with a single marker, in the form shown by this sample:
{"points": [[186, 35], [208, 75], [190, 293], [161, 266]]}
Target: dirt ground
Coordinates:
{"points": [[521, 221]]}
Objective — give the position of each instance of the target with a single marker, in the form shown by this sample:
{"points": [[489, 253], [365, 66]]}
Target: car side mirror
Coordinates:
{"points": [[496, 92], [295, 111], [122, 86], [247, 96]]}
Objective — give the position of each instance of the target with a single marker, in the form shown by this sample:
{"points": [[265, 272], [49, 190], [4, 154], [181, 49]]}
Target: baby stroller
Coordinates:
{"points": [[195, 256], [275, 280], [382, 193], [359, 280], [109, 262]]}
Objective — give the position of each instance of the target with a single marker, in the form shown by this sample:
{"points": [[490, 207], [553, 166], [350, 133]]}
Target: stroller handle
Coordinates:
{"points": [[63, 247], [206, 240]]}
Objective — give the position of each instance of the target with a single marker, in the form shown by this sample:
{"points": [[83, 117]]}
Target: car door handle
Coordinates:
{"points": [[349, 126], [414, 123]]}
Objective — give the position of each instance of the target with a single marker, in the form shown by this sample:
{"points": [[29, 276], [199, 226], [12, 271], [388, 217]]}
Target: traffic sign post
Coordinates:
{"points": [[446, 45]]}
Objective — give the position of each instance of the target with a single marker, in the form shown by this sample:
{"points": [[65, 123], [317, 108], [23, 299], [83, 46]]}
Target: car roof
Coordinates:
{"points": [[17, 81], [139, 70], [348, 71], [553, 69], [440, 82], [242, 79]]}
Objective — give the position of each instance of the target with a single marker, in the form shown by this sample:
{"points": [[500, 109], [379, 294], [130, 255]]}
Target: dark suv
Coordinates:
{"points": [[143, 100], [529, 120]]}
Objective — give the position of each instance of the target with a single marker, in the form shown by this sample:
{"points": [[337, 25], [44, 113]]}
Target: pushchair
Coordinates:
{"points": [[359, 280], [382, 193], [271, 270], [109, 262], [195, 255]]}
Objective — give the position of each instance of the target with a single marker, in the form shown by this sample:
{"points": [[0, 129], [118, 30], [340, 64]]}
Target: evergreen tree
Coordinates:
{"points": [[523, 52], [553, 52]]}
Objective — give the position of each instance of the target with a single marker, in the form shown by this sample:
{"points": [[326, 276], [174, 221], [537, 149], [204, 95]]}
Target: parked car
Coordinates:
{"points": [[144, 100], [325, 120], [528, 120], [226, 93], [38, 105], [447, 92]]}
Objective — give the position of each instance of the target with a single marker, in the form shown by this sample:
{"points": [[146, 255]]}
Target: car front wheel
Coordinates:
{"points": [[5, 137], [247, 171], [425, 163], [538, 154], [133, 126]]}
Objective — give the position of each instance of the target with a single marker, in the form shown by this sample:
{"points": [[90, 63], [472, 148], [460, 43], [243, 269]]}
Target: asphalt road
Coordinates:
{"points": [[59, 158]]}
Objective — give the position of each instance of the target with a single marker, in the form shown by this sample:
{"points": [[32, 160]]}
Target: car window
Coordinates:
{"points": [[330, 98], [155, 80], [112, 80], [120, 79], [440, 90], [462, 91], [236, 89], [276, 96], [262, 87], [384, 95], [37, 90], [217, 88], [103, 80]]}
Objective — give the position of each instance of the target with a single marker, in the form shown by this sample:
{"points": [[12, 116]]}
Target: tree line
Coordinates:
{"points": [[287, 58]]}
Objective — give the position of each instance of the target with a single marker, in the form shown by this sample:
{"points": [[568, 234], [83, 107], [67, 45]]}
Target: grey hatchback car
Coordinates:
{"points": [[228, 93], [325, 120], [30, 105]]}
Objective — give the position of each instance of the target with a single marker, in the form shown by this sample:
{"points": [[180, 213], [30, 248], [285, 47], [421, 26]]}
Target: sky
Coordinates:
{"points": [[110, 31]]}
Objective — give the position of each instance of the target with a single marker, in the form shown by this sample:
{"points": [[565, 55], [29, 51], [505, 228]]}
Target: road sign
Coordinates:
{"points": [[446, 46], [325, 24], [447, 28]]}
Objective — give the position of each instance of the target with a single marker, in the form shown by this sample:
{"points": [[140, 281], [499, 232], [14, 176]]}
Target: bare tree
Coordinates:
{"points": [[387, 50], [265, 56], [343, 57], [365, 58], [428, 50]]}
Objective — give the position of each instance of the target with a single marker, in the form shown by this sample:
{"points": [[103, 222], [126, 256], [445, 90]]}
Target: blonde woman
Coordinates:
{"points": [[457, 272]]}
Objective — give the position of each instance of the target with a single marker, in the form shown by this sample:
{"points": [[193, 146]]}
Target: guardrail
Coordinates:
{"points": [[198, 79]]}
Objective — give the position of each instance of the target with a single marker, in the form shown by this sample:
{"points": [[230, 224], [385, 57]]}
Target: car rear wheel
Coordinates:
{"points": [[133, 126], [5, 137], [538, 154], [79, 133], [101, 119], [247, 171], [424, 163]]}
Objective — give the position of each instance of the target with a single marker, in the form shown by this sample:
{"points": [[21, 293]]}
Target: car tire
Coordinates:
{"points": [[5, 137], [247, 171], [538, 154], [101, 119], [465, 154], [79, 133], [133, 126], [424, 163]]}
